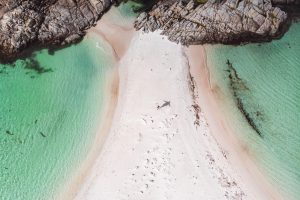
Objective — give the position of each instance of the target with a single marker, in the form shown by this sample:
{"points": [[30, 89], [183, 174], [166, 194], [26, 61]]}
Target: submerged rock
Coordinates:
{"points": [[227, 21]]}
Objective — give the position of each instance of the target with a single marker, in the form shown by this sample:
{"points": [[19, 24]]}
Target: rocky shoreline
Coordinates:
{"points": [[227, 22], [44, 23]]}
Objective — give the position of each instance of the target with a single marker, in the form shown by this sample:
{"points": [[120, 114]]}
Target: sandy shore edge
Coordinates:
{"points": [[109, 105], [110, 31], [181, 152], [236, 152], [201, 157]]}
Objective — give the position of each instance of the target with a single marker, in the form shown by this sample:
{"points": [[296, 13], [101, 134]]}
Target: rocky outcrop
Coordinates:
{"points": [[46, 22], [286, 2], [227, 21], [60, 22]]}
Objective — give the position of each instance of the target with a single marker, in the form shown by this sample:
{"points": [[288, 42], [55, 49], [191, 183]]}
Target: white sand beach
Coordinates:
{"points": [[160, 145], [162, 136]]}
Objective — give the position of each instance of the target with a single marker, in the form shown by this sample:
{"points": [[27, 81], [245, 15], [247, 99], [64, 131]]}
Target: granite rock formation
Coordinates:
{"points": [[24, 23], [215, 21], [45, 22], [286, 2]]}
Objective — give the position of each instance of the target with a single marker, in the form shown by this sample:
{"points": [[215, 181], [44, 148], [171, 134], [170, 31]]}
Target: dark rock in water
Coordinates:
{"points": [[227, 21], [45, 22]]}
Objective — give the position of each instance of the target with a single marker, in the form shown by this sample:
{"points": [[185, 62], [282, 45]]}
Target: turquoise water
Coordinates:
{"points": [[48, 117], [268, 87], [50, 107], [124, 14]]}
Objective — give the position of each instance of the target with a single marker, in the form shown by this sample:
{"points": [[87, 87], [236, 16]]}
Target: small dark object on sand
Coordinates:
{"points": [[167, 103]]}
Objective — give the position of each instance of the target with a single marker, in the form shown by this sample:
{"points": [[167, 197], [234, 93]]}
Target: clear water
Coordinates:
{"points": [[48, 120], [124, 14], [270, 92], [49, 116]]}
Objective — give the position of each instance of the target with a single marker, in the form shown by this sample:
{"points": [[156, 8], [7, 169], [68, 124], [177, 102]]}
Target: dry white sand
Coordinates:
{"points": [[160, 145], [154, 150]]}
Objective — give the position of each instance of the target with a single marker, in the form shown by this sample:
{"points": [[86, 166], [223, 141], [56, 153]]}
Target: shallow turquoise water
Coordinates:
{"points": [[49, 116], [124, 14], [269, 89], [48, 120]]}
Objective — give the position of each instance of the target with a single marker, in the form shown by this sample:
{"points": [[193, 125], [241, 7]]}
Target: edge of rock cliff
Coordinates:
{"points": [[28, 25], [227, 21], [43, 23]]}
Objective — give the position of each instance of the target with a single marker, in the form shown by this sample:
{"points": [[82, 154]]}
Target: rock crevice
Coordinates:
{"points": [[24, 23], [46, 22], [227, 21]]}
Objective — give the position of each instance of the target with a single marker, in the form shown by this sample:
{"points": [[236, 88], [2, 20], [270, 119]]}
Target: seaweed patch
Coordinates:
{"points": [[3, 70], [33, 64], [247, 116], [237, 84], [8, 132], [42, 134]]}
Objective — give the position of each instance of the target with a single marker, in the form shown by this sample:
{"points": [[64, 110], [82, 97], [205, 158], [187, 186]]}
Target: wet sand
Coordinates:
{"points": [[210, 100]]}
